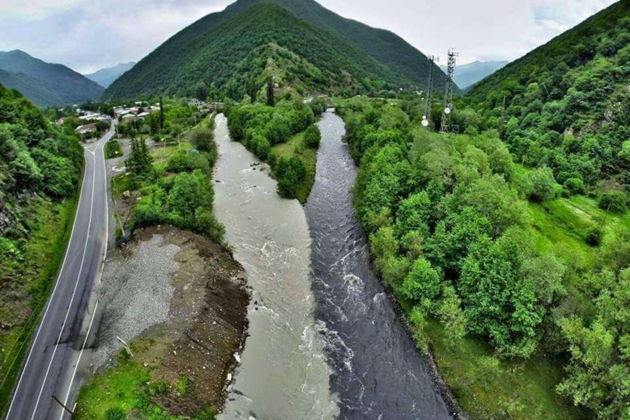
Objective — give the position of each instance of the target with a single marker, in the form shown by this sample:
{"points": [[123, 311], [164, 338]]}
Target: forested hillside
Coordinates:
{"points": [[46, 84], [566, 105], [233, 52], [482, 251], [40, 168]]}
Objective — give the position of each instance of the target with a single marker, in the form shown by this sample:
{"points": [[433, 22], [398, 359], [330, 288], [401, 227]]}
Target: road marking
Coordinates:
{"points": [[101, 272], [65, 401], [76, 284], [52, 296]]}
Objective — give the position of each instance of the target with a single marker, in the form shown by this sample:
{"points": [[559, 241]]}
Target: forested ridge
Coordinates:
{"points": [[469, 238], [45, 84], [40, 169], [232, 53], [566, 105]]}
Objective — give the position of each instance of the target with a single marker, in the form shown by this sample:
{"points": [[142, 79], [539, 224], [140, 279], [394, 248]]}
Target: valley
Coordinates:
{"points": [[277, 212]]}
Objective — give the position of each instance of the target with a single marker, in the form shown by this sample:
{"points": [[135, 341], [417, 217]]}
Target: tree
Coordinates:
{"points": [[541, 185], [497, 301], [271, 100], [423, 284], [202, 139], [290, 173], [414, 214], [312, 137], [614, 201], [161, 114]]}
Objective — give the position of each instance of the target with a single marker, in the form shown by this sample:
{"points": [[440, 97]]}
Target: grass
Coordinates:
{"points": [[121, 387], [295, 146], [32, 278], [489, 388], [112, 149], [128, 387]]}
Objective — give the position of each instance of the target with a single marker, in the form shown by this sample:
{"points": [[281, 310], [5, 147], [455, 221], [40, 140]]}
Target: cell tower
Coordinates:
{"points": [[448, 93], [426, 118]]}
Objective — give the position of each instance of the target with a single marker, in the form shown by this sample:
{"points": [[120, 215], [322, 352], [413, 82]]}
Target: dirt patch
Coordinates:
{"points": [[193, 348]]}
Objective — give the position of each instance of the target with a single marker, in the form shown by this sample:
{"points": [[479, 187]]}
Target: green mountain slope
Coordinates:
{"points": [[229, 49], [57, 84], [32, 88], [105, 77], [566, 104]]}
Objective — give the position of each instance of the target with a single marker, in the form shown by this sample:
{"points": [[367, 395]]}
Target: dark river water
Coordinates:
{"points": [[377, 372]]}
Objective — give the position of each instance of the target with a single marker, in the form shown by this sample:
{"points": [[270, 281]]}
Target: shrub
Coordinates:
{"points": [[312, 137], [541, 185], [594, 236], [574, 185], [614, 201], [202, 138], [290, 173], [115, 414]]}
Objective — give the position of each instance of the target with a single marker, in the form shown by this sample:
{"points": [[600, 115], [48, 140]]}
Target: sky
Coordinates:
{"points": [[87, 35]]}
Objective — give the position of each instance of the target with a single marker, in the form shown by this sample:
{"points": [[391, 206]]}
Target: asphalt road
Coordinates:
{"points": [[57, 347]]}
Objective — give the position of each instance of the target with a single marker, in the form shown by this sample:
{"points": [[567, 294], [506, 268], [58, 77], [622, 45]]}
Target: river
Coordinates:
{"points": [[283, 372], [324, 339], [378, 373]]}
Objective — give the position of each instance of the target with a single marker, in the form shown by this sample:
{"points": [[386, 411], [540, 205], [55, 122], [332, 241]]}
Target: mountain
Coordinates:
{"points": [[565, 105], [467, 75], [32, 88], [46, 84], [106, 76], [339, 53]]}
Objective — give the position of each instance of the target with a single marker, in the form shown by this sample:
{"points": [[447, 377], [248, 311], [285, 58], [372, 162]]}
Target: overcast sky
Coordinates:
{"points": [[90, 34]]}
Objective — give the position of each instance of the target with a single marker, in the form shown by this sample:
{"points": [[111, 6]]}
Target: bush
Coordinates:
{"points": [[574, 185], [202, 138], [594, 236], [614, 201], [290, 173], [541, 185], [312, 137], [187, 162], [115, 414]]}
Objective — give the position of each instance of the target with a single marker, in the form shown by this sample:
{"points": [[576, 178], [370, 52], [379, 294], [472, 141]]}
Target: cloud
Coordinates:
{"points": [[90, 34], [33, 9]]}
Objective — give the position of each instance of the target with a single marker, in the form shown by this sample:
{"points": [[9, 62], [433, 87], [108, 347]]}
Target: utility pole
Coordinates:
{"points": [[445, 127], [426, 118]]}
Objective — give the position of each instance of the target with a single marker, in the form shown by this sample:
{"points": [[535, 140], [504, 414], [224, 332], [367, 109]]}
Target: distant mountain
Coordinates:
{"points": [[467, 75], [106, 76], [340, 54], [35, 90], [46, 84]]}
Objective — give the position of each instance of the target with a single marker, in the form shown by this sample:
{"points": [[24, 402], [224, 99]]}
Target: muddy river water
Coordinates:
{"points": [[324, 339], [283, 372]]}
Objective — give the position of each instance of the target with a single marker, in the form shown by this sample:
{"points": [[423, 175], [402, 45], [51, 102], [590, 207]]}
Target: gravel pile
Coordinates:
{"points": [[136, 294]]}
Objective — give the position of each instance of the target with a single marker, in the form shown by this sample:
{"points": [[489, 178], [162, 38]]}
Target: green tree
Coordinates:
{"points": [[312, 137], [290, 172]]}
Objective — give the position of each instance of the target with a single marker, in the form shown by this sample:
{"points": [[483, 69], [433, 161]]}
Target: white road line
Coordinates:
{"points": [[76, 284], [74, 373], [63, 264], [101, 268]]}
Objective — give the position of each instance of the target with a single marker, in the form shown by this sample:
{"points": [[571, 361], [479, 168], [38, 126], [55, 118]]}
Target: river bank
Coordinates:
{"points": [[180, 302]]}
